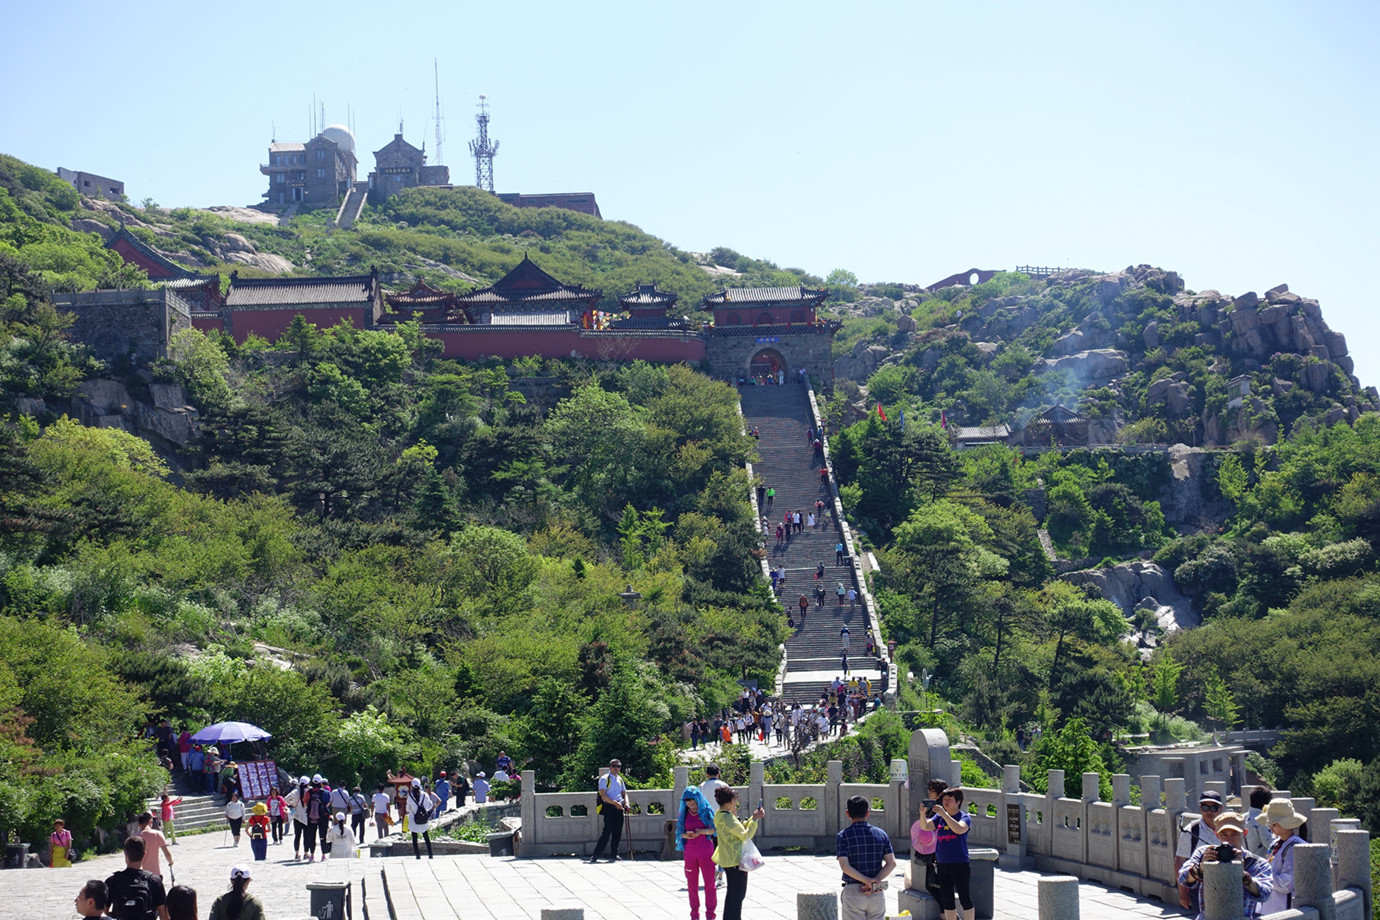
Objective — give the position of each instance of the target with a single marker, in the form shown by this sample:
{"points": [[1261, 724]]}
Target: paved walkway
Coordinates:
{"points": [[483, 888]]}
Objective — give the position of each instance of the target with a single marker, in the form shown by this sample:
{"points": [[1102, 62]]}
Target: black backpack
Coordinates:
{"points": [[131, 895]]}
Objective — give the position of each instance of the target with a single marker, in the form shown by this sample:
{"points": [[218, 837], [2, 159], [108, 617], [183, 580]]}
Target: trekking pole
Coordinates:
{"points": [[627, 831]]}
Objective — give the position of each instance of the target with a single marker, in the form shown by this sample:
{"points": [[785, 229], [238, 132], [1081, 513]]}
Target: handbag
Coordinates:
{"points": [[751, 859]]}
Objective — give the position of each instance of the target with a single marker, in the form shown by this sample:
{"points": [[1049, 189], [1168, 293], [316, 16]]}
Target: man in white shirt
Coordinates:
{"points": [[1197, 833], [481, 789], [382, 801], [613, 804]]}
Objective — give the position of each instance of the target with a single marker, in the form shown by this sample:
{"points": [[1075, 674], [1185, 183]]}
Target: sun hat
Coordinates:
{"points": [[416, 784], [1281, 812], [1229, 821], [304, 780], [317, 778], [241, 872], [480, 774], [259, 808]]}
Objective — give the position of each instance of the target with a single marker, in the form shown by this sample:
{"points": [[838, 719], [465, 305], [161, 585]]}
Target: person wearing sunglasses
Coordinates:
{"points": [[1196, 833]]}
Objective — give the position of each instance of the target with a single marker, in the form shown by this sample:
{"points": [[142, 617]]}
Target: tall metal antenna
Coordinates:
{"points": [[483, 150], [322, 126], [437, 71]]}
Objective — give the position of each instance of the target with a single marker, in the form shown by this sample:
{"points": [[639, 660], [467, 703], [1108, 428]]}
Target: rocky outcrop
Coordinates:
{"points": [[1092, 368], [862, 362], [265, 260], [1136, 586], [166, 421]]}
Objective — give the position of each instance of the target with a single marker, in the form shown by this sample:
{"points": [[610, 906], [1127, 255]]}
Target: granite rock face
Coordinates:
{"points": [[1131, 585]]}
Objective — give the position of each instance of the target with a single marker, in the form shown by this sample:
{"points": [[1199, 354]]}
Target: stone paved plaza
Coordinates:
{"points": [[477, 887]]}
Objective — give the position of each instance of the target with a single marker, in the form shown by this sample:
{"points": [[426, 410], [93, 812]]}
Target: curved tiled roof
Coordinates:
{"points": [[764, 295], [251, 292]]}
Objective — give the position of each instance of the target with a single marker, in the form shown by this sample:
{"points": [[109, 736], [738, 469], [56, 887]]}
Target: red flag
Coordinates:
{"points": [[880, 413], [943, 419]]}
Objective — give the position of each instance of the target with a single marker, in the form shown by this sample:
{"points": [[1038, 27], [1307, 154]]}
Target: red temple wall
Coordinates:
{"points": [[133, 256], [271, 324]]}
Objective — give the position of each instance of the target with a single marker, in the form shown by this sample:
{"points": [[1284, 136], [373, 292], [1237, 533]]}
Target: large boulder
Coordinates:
{"points": [[233, 242], [267, 261], [1093, 368], [105, 395], [87, 225], [1128, 585]]}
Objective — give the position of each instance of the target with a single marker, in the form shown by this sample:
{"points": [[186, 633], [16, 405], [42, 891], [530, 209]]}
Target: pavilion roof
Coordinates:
{"points": [[528, 284]]}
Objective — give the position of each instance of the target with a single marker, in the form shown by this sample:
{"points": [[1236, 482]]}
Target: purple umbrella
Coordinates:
{"points": [[230, 732]]}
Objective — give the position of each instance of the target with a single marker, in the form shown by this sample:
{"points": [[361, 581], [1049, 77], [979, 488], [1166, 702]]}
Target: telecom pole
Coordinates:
{"points": [[483, 150]]}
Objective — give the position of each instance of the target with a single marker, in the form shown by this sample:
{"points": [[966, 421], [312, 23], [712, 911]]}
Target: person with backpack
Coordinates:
{"points": [[258, 831], [419, 806], [612, 798], [136, 893], [1257, 882], [237, 904], [302, 800], [1196, 833], [359, 808]]}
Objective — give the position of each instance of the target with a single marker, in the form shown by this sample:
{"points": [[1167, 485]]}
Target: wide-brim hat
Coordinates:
{"points": [[259, 809], [1281, 812]]}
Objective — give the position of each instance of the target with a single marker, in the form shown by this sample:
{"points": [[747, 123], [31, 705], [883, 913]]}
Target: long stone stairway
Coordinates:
{"points": [[782, 417]]}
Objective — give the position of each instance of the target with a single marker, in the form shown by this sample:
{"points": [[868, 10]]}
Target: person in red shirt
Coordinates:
{"points": [[166, 814]]}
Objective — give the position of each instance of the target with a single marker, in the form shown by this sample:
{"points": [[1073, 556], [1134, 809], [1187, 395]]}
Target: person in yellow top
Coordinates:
{"points": [[731, 833], [61, 841]]}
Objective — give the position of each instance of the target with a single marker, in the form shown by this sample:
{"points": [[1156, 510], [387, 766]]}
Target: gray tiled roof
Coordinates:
{"points": [[482, 297], [256, 292], [762, 295]]}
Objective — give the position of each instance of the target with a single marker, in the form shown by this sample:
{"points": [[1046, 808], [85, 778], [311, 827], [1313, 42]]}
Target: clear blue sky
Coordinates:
{"points": [[1233, 142]]}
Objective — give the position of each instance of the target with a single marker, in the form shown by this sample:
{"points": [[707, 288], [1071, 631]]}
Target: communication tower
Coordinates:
{"points": [[483, 150], [437, 71]]}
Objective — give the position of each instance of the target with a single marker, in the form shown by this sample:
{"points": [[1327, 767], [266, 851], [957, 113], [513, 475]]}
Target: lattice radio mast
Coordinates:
{"points": [[437, 71], [483, 150]]}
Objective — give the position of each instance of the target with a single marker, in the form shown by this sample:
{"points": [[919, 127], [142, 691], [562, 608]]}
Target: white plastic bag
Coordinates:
{"points": [[751, 858]]}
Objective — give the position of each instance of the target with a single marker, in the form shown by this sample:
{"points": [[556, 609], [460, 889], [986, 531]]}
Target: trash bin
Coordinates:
{"points": [[501, 844], [329, 900], [16, 855]]}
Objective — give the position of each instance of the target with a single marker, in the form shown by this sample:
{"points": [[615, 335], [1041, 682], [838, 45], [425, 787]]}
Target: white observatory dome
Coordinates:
{"points": [[341, 136]]}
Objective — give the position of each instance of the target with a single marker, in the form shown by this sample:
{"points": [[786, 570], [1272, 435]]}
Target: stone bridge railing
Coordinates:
{"points": [[1119, 843]]}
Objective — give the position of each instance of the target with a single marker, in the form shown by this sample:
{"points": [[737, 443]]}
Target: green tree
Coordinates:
{"points": [[1073, 750], [1219, 703], [1164, 683]]}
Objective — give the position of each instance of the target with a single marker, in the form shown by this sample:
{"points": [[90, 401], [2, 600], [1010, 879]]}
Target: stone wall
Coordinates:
{"points": [[729, 352], [124, 324]]}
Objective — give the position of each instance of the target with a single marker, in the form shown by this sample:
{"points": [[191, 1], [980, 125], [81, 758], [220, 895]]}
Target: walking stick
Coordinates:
{"points": [[627, 829]]}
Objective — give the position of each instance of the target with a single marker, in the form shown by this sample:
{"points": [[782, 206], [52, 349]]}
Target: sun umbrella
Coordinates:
{"points": [[231, 732]]}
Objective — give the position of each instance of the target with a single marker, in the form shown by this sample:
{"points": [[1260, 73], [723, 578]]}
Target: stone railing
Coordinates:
{"points": [[797, 815], [1117, 843]]}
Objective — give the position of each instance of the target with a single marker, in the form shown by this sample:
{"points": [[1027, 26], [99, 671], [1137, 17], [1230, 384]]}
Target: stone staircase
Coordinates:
{"points": [[351, 207], [197, 809], [782, 417]]}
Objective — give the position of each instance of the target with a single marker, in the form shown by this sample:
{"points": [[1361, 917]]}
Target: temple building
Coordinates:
{"points": [[399, 165], [424, 303], [317, 173], [646, 308], [528, 296], [156, 265], [765, 333], [1057, 426], [266, 306]]}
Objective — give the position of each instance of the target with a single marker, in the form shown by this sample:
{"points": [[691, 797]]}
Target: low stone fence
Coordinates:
{"points": [[1121, 843]]}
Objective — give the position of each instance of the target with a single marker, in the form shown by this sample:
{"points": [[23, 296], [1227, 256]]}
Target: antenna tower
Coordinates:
{"points": [[437, 72], [483, 150]]}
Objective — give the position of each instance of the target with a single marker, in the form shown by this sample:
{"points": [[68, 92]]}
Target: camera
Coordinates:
{"points": [[1226, 852]]}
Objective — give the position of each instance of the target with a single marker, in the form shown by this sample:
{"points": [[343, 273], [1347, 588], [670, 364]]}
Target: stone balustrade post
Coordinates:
{"points": [[1012, 812], [682, 779], [833, 780], [1175, 800], [1313, 879], [1058, 897], [955, 772], [531, 821], [1056, 784], [1218, 786], [816, 906], [1304, 805], [756, 779], [1222, 897], [1092, 791], [1353, 864], [1150, 789], [1121, 789]]}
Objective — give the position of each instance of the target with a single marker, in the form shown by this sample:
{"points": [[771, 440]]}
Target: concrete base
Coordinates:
{"points": [[562, 913], [919, 903], [816, 906]]}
